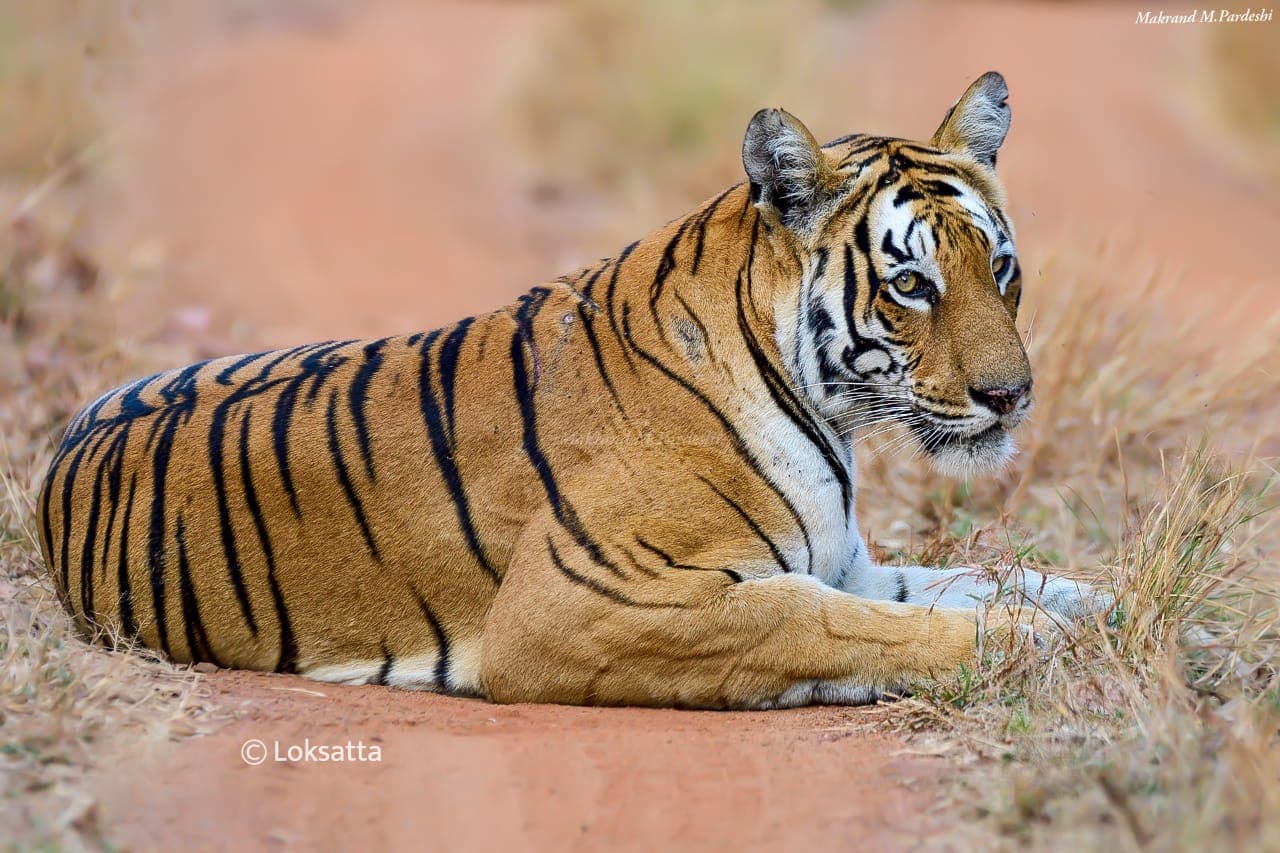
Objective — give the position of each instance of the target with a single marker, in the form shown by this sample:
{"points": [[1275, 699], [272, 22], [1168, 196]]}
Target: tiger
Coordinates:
{"points": [[635, 485]]}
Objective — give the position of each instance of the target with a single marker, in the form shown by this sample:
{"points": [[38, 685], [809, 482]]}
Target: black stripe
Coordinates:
{"points": [[862, 236], [388, 661], [529, 305], [46, 529], [230, 548], [598, 588], [609, 302], [912, 227], [748, 204], [886, 246], [131, 403], [91, 533], [179, 396], [281, 420], [318, 367], [855, 198], [86, 555], [585, 290], [905, 145], [68, 484], [785, 399], [357, 396], [841, 140], [906, 193], [664, 556], [903, 592], [128, 627], [283, 416], [751, 260], [88, 419], [197, 637], [588, 325], [751, 522], [889, 326], [287, 659], [443, 453], [735, 438], [156, 534], [933, 166], [819, 265], [448, 367], [665, 266], [224, 377], [344, 477], [442, 641], [640, 567], [114, 481], [561, 507], [702, 227], [941, 189]]}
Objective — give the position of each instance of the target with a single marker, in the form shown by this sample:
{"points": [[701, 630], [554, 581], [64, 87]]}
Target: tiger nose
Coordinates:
{"points": [[1000, 399]]}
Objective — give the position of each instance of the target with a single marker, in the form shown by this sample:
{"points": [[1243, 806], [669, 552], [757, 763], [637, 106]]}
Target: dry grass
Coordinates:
{"points": [[53, 61], [67, 703], [1161, 729], [599, 110], [63, 701]]}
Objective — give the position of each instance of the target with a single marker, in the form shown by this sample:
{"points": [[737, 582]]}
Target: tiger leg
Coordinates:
{"points": [[570, 626], [971, 586]]}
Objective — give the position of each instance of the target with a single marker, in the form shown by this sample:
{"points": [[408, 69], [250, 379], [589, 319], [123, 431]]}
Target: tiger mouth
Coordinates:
{"points": [[935, 440]]}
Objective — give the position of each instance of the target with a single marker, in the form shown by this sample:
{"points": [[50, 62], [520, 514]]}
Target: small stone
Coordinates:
{"points": [[205, 667]]}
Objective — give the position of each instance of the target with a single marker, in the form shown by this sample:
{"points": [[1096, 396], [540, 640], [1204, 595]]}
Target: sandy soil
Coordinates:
{"points": [[326, 181], [332, 178], [463, 774]]}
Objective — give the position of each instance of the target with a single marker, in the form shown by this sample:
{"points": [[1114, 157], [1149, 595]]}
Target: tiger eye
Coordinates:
{"points": [[906, 282], [1000, 266]]}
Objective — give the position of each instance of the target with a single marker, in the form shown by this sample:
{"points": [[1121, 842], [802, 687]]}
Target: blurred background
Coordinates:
{"points": [[262, 172]]}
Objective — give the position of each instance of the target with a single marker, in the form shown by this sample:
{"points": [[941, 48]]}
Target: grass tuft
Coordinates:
{"points": [[65, 701], [1159, 726]]}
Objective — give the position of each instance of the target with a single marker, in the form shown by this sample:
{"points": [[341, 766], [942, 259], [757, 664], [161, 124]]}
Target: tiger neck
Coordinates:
{"points": [[711, 300], [716, 290]]}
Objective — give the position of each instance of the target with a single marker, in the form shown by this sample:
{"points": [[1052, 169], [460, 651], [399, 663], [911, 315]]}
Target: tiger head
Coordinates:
{"points": [[909, 283]]}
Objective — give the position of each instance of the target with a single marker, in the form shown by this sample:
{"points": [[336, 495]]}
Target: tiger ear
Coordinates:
{"points": [[979, 121], [788, 171]]}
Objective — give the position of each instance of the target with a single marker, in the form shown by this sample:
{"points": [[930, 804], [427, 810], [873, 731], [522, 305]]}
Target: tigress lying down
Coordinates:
{"points": [[633, 486]]}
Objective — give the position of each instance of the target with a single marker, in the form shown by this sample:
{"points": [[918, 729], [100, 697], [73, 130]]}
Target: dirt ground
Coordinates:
{"points": [[462, 774], [255, 169]]}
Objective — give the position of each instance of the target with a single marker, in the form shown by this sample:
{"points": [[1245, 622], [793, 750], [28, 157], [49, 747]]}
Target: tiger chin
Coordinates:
{"points": [[634, 485]]}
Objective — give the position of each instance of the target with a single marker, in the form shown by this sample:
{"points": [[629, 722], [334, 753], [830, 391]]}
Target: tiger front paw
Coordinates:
{"points": [[1074, 600]]}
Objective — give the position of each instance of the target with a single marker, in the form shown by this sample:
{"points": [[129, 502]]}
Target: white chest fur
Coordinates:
{"points": [[830, 547]]}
